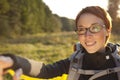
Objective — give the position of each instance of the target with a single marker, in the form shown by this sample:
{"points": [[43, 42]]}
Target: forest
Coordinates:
{"points": [[22, 17]]}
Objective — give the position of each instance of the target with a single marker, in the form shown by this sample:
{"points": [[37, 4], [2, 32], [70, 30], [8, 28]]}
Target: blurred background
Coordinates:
{"points": [[42, 30]]}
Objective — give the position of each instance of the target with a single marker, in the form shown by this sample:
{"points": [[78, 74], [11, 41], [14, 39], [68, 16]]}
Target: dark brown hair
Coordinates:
{"points": [[99, 12]]}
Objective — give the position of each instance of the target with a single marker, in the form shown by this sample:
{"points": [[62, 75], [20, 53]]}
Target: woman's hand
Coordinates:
{"points": [[1, 73], [5, 62], [17, 74]]}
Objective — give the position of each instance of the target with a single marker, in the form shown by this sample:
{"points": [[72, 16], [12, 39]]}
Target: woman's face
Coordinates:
{"points": [[92, 42]]}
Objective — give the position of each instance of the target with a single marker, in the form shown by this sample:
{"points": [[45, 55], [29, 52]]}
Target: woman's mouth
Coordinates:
{"points": [[90, 43]]}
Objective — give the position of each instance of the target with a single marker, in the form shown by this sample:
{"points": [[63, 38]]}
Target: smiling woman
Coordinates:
{"points": [[70, 8]]}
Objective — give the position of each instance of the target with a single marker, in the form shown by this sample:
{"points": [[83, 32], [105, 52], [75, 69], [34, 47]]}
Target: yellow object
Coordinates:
{"points": [[24, 77]]}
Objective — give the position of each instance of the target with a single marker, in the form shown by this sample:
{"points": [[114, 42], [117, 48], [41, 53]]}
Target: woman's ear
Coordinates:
{"points": [[108, 32]]}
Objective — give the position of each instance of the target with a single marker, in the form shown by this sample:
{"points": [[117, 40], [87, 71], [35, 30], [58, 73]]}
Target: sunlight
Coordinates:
{"points": [[118, 12], [70, 8]]}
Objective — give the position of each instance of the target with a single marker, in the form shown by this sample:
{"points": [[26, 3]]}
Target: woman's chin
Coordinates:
{"points": [[91, 51]]}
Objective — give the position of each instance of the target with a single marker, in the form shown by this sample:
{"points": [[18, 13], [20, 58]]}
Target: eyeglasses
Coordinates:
{"points": [[94, 28]]}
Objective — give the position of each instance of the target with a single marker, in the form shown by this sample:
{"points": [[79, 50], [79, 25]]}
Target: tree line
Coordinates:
{"points": [[20, 17]]}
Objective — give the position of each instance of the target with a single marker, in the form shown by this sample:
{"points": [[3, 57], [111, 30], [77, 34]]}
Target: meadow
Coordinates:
{"points": [[47, 48], [44, 47]]}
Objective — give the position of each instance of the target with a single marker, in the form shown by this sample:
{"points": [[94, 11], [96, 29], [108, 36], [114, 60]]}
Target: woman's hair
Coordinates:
{"points": [[99, 12]]}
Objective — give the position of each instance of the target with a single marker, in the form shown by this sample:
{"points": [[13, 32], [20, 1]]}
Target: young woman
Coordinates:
{"points": [[93, 27]]}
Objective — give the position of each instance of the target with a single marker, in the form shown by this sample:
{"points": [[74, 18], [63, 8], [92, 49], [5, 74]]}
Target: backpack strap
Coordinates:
{"points": [[105, 72], [116, 57], [88, 72], [75, 63]]}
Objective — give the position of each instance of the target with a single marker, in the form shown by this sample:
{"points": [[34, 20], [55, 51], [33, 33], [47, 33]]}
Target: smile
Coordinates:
{"points": [[90, 43]]}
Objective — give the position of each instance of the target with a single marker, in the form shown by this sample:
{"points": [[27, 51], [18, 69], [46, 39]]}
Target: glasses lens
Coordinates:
{"points": [[95, 28], [81, 31]]}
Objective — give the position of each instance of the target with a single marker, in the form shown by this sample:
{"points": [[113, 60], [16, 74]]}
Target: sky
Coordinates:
{"points": [[70, 8]]}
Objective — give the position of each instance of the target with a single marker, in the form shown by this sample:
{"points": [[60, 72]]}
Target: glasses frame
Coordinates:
{"points": [[89, 29]]}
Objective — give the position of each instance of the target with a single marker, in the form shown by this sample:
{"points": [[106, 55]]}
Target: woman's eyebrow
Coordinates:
{"points": [[89, 26], [95, 23], [80, 26]]}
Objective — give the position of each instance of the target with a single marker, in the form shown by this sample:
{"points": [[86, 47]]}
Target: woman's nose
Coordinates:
{"points": [[88, 33]]}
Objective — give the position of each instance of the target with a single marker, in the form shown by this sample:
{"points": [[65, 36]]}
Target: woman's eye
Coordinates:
{"points": [[96, 28]]}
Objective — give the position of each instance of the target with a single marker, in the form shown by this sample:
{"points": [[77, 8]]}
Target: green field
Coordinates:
{"points": [[47, 48]]}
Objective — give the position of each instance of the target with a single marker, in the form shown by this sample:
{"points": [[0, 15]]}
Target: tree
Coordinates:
{"points": [[67, 24], [113, 10], [113, 7], [20, 17]]}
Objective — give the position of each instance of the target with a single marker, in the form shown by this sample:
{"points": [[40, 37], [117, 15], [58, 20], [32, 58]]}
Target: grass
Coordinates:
{"points": [[115, 38], [54, 46], [46, 48]]}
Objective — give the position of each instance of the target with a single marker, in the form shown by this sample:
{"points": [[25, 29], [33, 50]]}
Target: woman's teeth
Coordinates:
{"points": [[90, 43]]}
